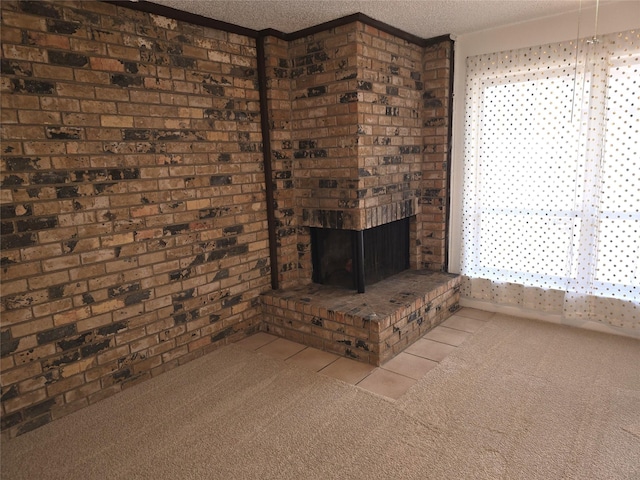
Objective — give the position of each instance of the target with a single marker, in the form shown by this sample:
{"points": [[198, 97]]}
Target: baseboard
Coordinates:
{"points": [[548, 317]]}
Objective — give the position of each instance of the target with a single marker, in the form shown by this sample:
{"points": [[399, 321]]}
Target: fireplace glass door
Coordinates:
{"points": [[352, 259]]}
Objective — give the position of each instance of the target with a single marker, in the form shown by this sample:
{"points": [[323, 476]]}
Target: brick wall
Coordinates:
{"points": [[287, 228], [133, 208], [431, 225]]}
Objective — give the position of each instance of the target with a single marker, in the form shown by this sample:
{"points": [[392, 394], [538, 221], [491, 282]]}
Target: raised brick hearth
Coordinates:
{"points": [[371, 327]]}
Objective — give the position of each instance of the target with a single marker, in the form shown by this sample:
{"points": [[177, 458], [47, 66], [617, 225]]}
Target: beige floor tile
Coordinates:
{"points": [[409, 365], [465, 324], [281, 348], [431, 350], [475, 313], [447, 335], [386, 383], [313, 359], [256, 341], [347, 370]]}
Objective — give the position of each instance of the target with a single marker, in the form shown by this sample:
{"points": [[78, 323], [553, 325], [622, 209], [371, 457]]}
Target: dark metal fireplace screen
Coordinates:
{"points": [[353, 259]]}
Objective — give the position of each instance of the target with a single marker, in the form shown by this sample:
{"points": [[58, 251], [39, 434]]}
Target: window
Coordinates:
{"points": [[552, 167]]}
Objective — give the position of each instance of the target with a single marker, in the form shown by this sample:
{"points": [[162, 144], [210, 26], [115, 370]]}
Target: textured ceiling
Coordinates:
{"points": [[424, 18]]}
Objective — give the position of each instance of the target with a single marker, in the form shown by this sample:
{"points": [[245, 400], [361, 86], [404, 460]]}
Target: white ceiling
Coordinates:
{"points": [[424, 18]]}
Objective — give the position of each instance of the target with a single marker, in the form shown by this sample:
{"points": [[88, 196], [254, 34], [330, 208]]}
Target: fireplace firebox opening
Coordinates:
{"points": [[353, 259]]}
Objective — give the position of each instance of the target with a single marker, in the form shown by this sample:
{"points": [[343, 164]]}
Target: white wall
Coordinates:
{"points": [[612, 17]]}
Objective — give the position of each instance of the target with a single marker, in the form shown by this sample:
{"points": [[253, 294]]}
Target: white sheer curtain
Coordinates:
{"points": [[551, 198]]}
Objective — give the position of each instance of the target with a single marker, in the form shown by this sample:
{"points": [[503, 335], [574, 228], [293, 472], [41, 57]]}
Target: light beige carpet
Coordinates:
{"points": [[519, 400]]}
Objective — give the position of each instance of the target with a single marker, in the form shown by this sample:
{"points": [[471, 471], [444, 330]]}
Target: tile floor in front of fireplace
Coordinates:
{"points": [[393, 378]]}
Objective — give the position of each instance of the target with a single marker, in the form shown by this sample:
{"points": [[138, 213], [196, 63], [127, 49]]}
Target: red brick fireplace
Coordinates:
{"points": [[359, 141]]}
